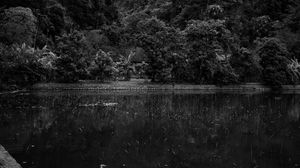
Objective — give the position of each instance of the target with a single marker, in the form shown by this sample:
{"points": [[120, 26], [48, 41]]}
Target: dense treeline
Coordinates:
{"points": [[195, 41]]}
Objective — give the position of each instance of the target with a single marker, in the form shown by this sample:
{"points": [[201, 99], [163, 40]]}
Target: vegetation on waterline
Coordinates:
{"points": [[194, 41]]}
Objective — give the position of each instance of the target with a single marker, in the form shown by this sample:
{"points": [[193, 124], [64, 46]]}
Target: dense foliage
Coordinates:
{"points": [[196, 41], [208, 44], [274, 60]]}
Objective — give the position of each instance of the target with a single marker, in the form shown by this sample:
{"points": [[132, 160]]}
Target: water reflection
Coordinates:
{"points": [[151, 130]]}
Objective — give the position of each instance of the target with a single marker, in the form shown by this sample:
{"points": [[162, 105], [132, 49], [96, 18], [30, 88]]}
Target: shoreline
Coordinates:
{"points": [[146, 85], [153, 86]]}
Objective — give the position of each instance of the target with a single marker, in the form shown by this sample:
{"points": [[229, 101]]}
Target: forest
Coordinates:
{"points": [[217, 42]]}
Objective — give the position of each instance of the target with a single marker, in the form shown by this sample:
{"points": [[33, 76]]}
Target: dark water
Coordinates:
{"points": [[151, 130]]}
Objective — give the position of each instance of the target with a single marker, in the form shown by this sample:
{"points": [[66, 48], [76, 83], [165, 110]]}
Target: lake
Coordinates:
{"points": [[151, 129]]}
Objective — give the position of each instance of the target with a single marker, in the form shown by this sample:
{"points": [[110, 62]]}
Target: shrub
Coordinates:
{"points": [[294, 68], [20, 65], [163, 47], [75, 56], [47, 60], [124, 66], [274, 61], [208, 45], [246, 64], [66, 70], [102, 67]]}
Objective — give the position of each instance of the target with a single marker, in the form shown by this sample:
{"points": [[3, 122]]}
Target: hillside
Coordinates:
{"points": [[194, 41]]}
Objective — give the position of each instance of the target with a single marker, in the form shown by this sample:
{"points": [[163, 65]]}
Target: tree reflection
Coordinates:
{"points": [[153, 130]]}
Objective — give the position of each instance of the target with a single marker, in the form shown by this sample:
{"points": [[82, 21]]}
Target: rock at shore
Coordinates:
{"points": [[6, 160]]}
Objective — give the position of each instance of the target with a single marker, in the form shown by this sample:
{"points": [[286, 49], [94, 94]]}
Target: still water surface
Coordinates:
{"points": [[88, 129]]}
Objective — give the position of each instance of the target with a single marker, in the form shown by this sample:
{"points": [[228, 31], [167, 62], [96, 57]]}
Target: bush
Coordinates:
{"points": [[75, 56], [102, 67], [294, 68], [79, 61], [158, 65], [246, 64], [224, 75], [208, 45], [124, 66], [20, 65], [163, 48], [66, 70], [274, 61]]}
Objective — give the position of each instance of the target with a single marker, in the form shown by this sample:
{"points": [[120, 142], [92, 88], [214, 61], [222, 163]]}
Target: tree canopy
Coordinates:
{"points": [[196, 41]]}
